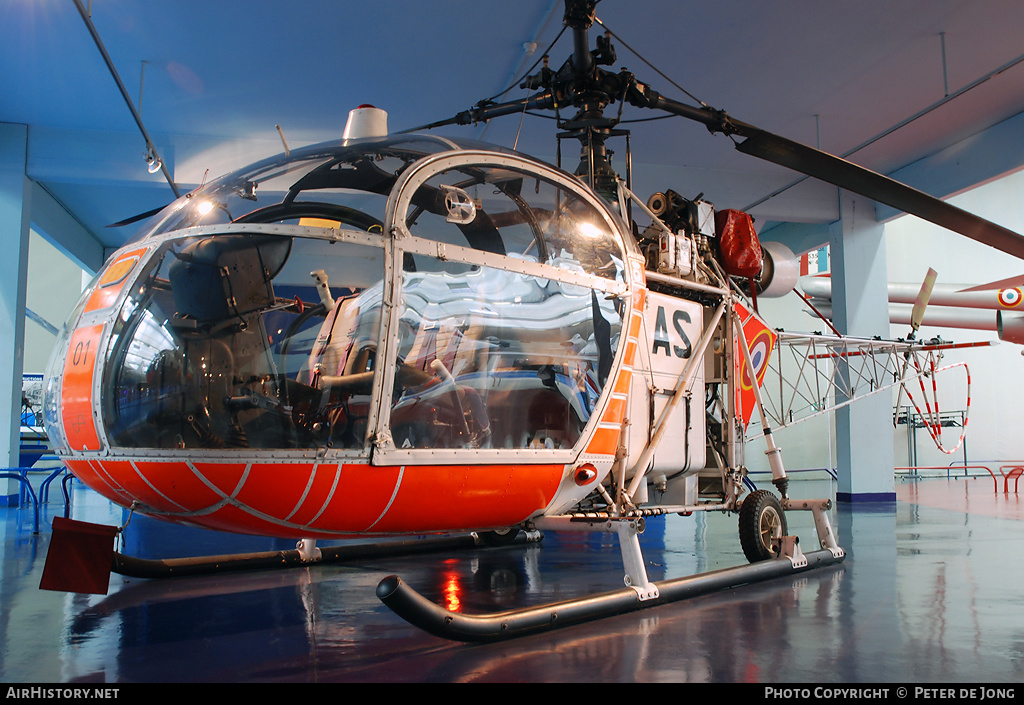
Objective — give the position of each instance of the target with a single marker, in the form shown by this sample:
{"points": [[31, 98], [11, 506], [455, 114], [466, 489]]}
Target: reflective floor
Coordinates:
{"points": [[932, 591]]}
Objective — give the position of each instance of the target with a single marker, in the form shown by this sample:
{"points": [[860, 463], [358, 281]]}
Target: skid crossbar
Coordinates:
{"points": [[432, 618]]}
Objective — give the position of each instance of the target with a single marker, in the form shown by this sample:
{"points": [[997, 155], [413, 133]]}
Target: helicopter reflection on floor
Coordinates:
{"points": [[917, 600]]}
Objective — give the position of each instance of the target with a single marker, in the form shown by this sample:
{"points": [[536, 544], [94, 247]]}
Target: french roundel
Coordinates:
{"points": [[1011, 298], [760, 349]]}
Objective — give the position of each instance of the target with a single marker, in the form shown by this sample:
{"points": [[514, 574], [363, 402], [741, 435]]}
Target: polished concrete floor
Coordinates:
{"points": [[932, 591]]}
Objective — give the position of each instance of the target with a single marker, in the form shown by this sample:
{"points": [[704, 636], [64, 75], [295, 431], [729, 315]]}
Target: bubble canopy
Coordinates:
{"points": [[403, 294], [358, 174]]}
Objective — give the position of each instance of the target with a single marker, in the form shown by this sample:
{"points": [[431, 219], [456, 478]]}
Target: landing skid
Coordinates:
{"points": [[295, 558], [81, 556], [639, 593], [422, 613]]}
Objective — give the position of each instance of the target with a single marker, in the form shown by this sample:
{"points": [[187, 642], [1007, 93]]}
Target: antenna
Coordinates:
{"points": [[287, 152]]}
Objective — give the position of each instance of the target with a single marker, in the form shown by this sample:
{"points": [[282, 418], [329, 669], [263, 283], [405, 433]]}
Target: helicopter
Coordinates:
{"points": [[404, 334]]}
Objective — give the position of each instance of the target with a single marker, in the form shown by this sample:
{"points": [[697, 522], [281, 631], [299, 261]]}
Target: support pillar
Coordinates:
{"points": [[15, 207], [861, 308]]}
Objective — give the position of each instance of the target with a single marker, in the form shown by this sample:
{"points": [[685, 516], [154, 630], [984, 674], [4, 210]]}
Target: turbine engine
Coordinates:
{"points": [[728, 237]]}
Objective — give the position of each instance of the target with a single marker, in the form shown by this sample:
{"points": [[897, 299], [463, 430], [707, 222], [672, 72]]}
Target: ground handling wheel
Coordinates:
{"points": [[762, 522], [500, 537]]}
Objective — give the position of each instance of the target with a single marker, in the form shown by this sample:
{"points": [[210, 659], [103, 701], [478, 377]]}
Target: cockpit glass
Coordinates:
{"points": [[265, 335], [509, 212], [489, 358], [227, 342], [342, 184]]}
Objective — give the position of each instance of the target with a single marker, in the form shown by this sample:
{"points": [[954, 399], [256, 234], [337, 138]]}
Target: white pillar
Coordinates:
{"points": [[861, 308], [15, 200]]}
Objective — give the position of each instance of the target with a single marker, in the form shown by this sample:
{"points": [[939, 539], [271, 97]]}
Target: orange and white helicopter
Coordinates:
{"points": [[410, 334]]}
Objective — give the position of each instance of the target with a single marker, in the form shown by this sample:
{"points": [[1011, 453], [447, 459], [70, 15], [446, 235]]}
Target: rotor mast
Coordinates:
{"points": [[583, 84], [590, 91]]}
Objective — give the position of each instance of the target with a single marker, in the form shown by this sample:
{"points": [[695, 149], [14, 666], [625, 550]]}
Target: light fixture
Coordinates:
{"points": [[584, 474], [151, 158], [153, 161]]}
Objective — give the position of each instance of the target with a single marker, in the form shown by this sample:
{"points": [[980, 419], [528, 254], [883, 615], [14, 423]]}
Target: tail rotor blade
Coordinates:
{"points": [[917, 314]]}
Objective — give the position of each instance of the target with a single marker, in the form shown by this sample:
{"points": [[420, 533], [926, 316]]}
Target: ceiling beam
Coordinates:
{"points": [[54, 222]]}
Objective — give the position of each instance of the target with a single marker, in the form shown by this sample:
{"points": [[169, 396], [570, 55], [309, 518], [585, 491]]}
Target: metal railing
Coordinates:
{"points": [[1008, 470]]}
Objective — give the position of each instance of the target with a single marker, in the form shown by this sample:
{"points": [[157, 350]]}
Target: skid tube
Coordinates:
{"points": [[434, 619], [266, 560]]}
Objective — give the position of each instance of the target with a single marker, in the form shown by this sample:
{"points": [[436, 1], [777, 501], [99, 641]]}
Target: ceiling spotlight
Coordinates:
{"points": [[153, 161]]}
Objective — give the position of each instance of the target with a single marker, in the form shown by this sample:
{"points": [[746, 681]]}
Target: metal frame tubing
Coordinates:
{"points": [[207, 565], [434, 619]]}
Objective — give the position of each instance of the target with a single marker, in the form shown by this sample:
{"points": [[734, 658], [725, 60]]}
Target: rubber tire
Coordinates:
{"points": [[761, 519], [496, 539]]}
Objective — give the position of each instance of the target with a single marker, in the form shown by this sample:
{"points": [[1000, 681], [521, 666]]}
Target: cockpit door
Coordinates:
{"points": [[510, 286]]}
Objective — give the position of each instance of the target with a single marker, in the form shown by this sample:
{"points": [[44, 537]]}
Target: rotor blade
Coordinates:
{"points": [[1001, 284], [921, 303], [136, 218], [839, 172], [865, 182]]}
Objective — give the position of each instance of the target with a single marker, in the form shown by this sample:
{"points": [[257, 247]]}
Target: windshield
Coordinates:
{"points": [[342, 183], [223, 340], [273, 304]]}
